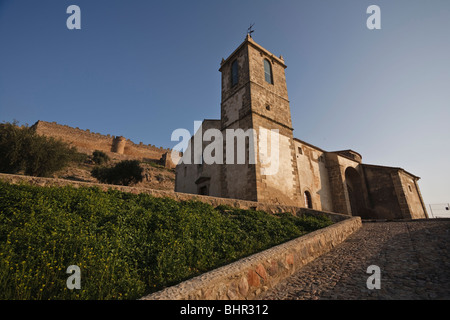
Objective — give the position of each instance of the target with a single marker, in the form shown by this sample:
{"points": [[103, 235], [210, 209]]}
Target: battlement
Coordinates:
{"points": [[87, 141]]}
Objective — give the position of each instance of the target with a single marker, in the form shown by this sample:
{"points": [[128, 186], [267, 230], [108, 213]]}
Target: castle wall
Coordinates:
{"points": [[83, 140], [87, 141]]}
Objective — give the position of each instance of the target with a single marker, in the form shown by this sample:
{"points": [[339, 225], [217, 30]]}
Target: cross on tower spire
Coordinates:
{"points": [[250, 29]]}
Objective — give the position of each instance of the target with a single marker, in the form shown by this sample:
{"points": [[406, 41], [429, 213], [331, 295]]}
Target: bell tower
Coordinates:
{"points": [[254, 96]]}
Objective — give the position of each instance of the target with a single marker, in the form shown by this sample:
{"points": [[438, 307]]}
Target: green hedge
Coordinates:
{"points": [[126, 245]]}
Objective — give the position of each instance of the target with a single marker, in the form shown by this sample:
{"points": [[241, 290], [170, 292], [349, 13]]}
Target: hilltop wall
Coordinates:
{"points": [[87, 141]]}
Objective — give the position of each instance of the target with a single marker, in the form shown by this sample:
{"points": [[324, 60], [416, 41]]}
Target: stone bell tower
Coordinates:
{"points": [[254, 96]]}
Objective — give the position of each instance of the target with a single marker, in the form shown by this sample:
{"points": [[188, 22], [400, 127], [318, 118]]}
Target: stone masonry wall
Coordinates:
{"points": [[313, 175], [413, 196], [179, 196], [281, 184], [87, 141], [251, 276]]}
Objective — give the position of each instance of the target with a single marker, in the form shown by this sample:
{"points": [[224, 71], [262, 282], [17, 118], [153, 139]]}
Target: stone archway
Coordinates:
{"points": [[308, 199], [355, 191]]}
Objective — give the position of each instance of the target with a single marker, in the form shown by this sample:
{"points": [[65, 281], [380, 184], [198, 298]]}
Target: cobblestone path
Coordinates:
{"points": [[413, 256]]}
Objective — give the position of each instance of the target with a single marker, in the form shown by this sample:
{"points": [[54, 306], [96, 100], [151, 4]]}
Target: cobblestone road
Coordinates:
{"points": [[413, 256]]}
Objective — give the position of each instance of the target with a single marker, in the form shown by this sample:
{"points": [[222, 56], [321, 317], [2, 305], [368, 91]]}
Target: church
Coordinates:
{"points": [[254, 97]]}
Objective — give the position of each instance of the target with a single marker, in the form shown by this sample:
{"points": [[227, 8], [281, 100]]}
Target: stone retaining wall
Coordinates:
{"points": [[251, 276], [214, 201]]}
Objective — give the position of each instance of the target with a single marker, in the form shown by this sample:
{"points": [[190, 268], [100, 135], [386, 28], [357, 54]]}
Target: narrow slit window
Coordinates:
{"points": [[234, 73], [268, 71]]}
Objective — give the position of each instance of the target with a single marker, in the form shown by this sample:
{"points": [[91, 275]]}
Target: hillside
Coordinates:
{"points": [[155, 175], [59, 151], [126, 245]]}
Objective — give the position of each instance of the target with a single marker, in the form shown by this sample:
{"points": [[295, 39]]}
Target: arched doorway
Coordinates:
{"points": [[355, 191], [308, 200]]}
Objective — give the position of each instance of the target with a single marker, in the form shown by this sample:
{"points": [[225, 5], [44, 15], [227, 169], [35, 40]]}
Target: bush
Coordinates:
{"points": [[125, 173], [80, 157], [99, 157], [24, 150], [126, 245]]}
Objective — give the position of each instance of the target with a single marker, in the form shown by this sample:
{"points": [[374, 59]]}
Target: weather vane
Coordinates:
{"points": [[250, 31]]}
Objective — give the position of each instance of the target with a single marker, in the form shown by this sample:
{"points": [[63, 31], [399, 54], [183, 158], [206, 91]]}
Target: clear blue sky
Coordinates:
{"points": [[142, 69]]}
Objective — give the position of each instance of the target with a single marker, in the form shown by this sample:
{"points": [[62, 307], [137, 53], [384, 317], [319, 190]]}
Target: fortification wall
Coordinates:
{"points": [[87, 141]]}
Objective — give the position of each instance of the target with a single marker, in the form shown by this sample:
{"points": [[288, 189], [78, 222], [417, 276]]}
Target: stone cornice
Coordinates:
{"points": [[249, 40]]}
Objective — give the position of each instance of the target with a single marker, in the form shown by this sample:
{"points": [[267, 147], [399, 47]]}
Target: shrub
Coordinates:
{"points": [[24, 150], [80, 157], [99, 157], [126, 172]]}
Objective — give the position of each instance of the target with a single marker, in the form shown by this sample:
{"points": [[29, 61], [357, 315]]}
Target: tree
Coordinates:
{"points": [[22, 149]]}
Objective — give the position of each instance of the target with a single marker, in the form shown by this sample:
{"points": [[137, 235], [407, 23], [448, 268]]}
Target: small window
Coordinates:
{"points": [[308, 200], [409, 188], [268, 71], [268, 108], [234, 73], [300, 151]]}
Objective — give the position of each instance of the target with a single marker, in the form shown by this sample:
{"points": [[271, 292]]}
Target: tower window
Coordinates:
{"points": [[268, 71], [234, 73], [300, 151]]}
